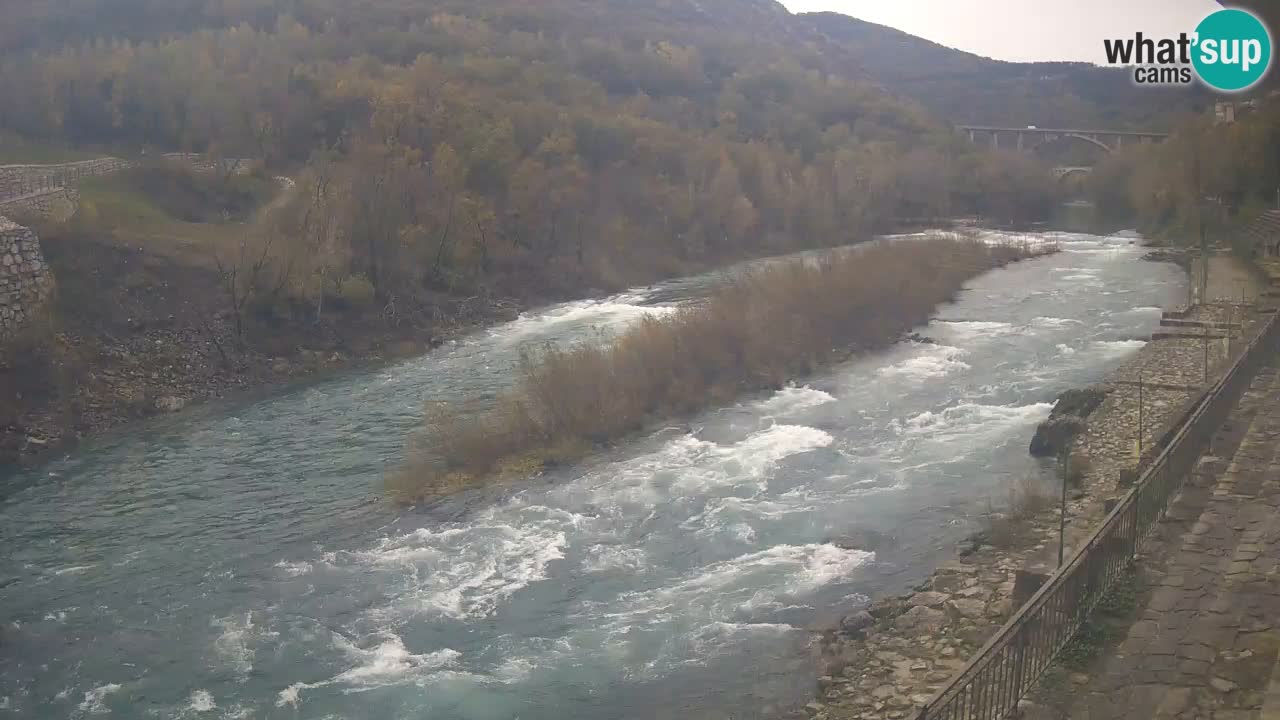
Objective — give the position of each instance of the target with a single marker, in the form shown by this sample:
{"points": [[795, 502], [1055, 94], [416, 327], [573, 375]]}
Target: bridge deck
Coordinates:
{"points": [[1062, 131]]}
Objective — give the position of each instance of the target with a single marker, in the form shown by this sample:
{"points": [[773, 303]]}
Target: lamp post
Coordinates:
{"points": [[1062, 515]]}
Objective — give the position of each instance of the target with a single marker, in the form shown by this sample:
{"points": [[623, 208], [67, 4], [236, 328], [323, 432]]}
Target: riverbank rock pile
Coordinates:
{"points": [[1182, 257], [888, 660], [1066, 421]]}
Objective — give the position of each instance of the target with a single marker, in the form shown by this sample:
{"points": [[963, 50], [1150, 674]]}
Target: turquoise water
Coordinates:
{"points": [[238, 560]]}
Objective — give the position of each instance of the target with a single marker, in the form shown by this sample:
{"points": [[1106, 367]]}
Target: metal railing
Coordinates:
{"points": [[995, 679]]}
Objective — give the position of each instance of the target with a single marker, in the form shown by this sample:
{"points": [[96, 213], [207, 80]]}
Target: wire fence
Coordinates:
{"points": [[997, 677]]}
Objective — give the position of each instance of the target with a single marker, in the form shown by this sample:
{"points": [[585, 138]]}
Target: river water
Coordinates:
{"points": [[238, 560]]}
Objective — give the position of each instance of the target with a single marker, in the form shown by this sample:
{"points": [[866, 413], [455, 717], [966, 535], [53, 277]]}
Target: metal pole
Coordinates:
{"points": [[1062, 517], [1205, 335], [1231, 332], [1140, 424]]}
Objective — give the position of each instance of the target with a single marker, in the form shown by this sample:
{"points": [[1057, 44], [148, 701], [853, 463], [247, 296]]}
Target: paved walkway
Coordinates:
{"points": [[1205, 646]]}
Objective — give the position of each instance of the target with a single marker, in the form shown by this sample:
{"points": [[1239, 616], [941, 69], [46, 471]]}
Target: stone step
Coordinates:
{"points": [[1178, 322], [1190, 335]]}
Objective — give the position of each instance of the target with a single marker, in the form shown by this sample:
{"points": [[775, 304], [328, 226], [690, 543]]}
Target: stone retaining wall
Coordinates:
{"points": [[25, 282], [58, 203], [203, 163], [21, 180]]}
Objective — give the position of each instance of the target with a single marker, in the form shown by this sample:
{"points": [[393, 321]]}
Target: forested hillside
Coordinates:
{"points": [[969, 89], [507, 146]]}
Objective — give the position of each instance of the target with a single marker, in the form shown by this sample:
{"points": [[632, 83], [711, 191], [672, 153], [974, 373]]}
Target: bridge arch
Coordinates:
{"points": [[1049, 139], [1095, 141], [1063, 172], [1037, 136]]}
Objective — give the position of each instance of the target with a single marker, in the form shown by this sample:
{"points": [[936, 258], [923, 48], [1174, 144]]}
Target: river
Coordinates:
{"points": [[238, 560]]}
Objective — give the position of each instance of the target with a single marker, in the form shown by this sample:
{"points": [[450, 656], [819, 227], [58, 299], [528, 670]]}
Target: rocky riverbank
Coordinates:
{"points": [[106, 354], [889, 659]]}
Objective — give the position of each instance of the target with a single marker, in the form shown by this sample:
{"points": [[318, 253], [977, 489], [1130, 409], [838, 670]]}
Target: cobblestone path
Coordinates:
{"points": [[1205, 646]]}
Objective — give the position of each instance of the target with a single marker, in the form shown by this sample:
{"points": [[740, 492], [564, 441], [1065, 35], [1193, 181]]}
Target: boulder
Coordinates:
{"points": [[1054, 436], [858, 621], [1066, 420], [928, 599], [921, 619], [971, 609], [861, 539], [1079, 402], [170, 403]]}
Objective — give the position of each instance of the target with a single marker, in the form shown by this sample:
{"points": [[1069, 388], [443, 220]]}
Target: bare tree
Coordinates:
{"points": [[241, 277]]}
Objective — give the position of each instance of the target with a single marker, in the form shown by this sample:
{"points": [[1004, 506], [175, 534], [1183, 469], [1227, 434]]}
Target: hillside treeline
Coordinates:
{"points": [[1204, 182], [523, 148]]}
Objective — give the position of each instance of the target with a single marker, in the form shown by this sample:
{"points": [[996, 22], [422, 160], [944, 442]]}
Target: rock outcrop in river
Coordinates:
{"points": [[1054, 435]]}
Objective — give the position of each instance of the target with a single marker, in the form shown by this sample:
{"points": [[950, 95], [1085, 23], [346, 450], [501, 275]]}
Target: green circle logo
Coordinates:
{"points": [[1232, 50]]}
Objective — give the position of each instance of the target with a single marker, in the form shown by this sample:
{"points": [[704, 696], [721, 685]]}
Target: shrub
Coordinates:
{"points": [[1027, 499], [1077, 470], [354, 291]]}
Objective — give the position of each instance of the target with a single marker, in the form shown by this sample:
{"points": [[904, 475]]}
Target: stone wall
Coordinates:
{"points": [[20, 180], [58, 203], [203, 163], [25, 282]]}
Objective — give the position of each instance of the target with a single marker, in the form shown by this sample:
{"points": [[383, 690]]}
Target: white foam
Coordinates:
{"points": [[390, 663], [996, 237], [1089, 279], [748, 462], [468, 570], [586, 313], [930, 361], [1065, 349], [606, 558], [514, 670], [386, 664], [685, 467], [762, 450], [1114, 349], [59, 615], [202, 701], [93, 699], [290, 695], [794, 399], [632, 486], [73, 570], [233, 645], [976, 329], [294, 569], [1054, 322], [724, 590], [966, 420]]}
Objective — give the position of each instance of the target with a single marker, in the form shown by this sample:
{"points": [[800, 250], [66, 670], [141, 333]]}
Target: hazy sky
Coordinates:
{"points": [[1024, 29]]}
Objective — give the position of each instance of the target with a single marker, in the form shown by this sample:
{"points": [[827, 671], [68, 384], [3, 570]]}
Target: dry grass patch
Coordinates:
{"points": [[759, 330], [1010, 528]]}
